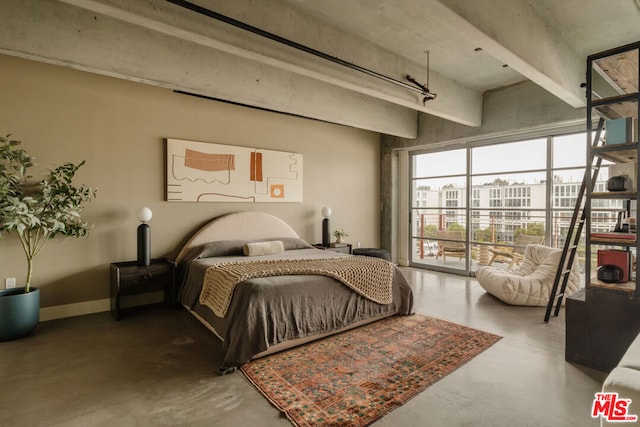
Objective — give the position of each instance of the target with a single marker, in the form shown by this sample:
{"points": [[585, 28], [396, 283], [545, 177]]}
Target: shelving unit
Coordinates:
{"points": [[604, 318], [612, 93]]}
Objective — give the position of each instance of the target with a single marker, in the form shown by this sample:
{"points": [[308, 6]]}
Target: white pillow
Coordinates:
{"points": [[263, 248]]}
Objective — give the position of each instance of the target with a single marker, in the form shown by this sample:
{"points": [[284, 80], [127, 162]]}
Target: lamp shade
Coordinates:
{"points": [[144, 214], [326, 211]]}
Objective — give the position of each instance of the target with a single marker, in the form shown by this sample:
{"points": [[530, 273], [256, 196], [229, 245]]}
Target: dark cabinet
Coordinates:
{"points": [[129, 278]]}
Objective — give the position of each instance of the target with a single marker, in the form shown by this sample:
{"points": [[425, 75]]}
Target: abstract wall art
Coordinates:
{"points": [[206, 172]]}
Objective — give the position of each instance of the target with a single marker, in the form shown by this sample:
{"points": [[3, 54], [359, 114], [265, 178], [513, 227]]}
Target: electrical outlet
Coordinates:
{"points": [[10, 282]]}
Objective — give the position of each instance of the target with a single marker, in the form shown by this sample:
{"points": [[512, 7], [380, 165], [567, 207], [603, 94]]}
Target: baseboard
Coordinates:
{"points": [[97, 306], [75, 309]]}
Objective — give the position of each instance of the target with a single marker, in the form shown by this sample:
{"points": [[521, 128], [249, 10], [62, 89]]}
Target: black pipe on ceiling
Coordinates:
{"points": [[215, 15]]}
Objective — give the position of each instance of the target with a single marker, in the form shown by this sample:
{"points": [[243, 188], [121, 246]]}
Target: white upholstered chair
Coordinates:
{"points": [[531, 283]]}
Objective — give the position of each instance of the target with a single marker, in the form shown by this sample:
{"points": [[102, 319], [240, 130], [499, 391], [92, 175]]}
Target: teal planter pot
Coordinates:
{"points": [[19, 312]]}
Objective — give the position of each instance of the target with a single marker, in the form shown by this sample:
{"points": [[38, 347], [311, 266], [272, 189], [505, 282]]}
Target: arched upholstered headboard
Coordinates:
{"points": [[246, 225]]}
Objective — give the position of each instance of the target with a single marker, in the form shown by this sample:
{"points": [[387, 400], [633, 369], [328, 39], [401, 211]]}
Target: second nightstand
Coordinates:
{"points": [[344, 248]]}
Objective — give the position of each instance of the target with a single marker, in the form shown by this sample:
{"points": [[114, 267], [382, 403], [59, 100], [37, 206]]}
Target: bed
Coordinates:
{"points": [[266, 313]]}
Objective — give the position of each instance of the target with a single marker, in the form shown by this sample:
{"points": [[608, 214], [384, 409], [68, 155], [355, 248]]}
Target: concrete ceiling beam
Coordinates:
{"points": [[519, 38], [456, 102], [80, 38]]}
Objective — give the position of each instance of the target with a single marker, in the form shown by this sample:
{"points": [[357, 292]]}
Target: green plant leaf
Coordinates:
{"points": [[39, 210]]}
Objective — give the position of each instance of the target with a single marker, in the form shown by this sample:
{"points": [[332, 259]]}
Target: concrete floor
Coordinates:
{"points": [[157, 367]]}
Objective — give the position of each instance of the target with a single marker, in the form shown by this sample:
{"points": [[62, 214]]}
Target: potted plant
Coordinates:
{"points": [[35, 210], [339, 235]]}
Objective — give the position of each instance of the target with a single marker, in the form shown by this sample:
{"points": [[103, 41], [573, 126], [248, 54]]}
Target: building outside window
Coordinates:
{"points": [[528, 187]]}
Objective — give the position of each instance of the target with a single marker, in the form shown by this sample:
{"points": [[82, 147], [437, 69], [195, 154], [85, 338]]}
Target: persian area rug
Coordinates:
{"points": [[356, 377]]}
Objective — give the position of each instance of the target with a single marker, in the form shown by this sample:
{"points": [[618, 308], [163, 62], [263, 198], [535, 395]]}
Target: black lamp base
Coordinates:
{"points": [[326, 240], [144, 244]]}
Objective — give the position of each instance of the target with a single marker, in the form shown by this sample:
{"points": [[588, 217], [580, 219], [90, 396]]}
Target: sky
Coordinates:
{"points": [[530, 155]]}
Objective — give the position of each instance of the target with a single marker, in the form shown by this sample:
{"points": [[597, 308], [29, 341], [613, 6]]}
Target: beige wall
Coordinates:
{"points": [[118, 128]]}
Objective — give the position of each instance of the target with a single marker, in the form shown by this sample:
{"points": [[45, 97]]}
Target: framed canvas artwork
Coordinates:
{"points": [[208, 172]]}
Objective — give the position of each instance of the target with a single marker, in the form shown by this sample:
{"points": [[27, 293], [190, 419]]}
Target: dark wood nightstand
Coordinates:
{"points": [[344, 248], [129, 278]]}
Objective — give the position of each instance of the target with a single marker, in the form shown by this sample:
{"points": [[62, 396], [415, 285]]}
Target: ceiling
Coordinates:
{"points": [[409, 28], [473, 46]]}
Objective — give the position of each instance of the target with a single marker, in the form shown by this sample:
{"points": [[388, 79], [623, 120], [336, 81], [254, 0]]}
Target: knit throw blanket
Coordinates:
{"points": [[370, 277]]}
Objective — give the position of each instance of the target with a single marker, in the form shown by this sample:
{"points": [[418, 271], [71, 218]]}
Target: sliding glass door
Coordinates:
{"points": [[510, 195], [439, 210]]}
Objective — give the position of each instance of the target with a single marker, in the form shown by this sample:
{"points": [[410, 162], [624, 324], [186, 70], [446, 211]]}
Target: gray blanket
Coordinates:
{"points": [[272, 310]]}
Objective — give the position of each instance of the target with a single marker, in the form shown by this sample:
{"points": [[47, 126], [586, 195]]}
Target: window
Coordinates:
{"points": [[528, 186]]}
